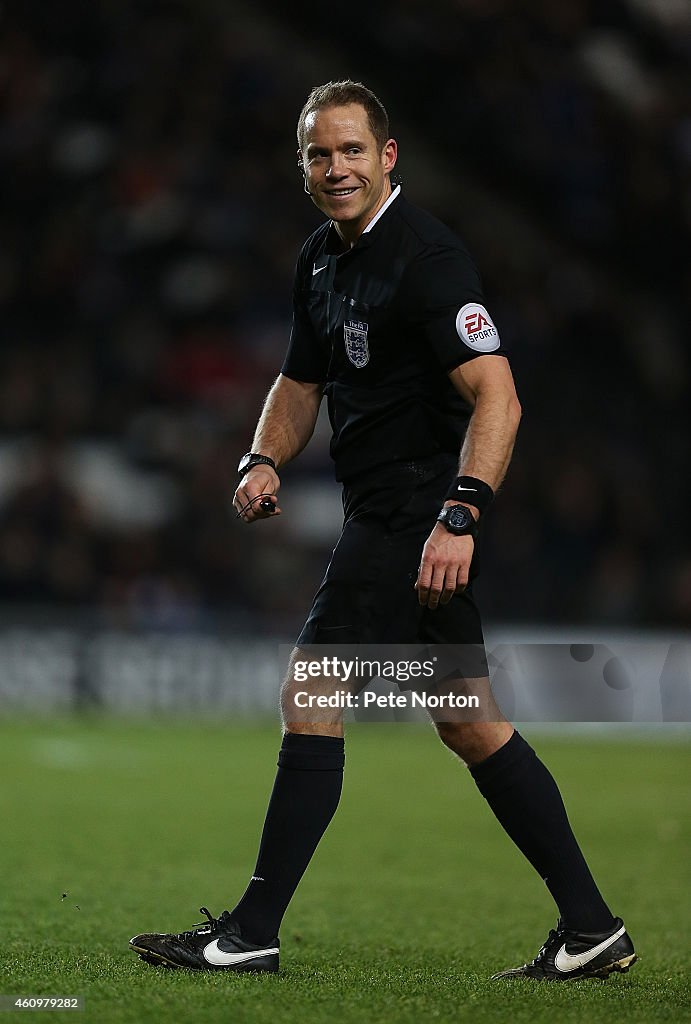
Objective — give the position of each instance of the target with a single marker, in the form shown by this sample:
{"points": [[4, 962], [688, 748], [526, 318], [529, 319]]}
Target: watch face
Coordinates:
{"points": [[459, 517]]}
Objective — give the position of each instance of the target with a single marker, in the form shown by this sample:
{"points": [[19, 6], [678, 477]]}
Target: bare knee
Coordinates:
{"points": [[303, 712], [474, 741]]}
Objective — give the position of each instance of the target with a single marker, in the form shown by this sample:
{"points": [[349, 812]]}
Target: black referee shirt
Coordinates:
{"points": [[381, 325]]}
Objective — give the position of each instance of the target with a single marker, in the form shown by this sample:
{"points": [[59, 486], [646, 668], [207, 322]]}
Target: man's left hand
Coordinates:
{"points": [[444, 567]]}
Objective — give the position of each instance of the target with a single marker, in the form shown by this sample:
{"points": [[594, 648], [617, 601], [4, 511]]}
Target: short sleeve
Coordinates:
{"points": [[445, 303], [306, 359]]}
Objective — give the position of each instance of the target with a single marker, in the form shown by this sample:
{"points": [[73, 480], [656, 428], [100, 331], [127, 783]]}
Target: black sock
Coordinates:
{"points": [[528, 805], [304, 798]]}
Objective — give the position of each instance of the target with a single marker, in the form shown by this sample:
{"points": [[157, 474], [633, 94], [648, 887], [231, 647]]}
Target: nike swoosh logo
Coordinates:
{"points": [[318, 270], [467, 488], [219, 958], [565, 962]]}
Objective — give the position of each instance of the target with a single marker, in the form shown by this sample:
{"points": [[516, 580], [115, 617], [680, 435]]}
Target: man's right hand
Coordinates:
{"points": [[260, 480]]}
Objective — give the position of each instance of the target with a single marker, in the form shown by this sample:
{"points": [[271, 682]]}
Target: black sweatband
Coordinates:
{"points": [[471, 491]]}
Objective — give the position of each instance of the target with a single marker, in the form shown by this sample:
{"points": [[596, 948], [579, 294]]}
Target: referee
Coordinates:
{"points": [[389, 323]]}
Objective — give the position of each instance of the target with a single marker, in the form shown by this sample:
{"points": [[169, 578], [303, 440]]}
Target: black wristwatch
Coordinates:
{"points": [[251, 459], [457, 519]]}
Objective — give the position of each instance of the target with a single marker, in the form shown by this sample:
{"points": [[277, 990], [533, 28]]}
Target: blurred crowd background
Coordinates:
{"points": [[150, 216]]}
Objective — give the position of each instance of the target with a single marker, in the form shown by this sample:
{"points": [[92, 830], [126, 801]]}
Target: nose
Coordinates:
{"points": [[337, 168]]}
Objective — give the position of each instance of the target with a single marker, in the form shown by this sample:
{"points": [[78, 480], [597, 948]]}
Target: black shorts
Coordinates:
{"points": [[367, 595]]}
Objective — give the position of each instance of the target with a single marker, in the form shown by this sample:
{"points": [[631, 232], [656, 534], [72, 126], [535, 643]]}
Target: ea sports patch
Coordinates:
{"points": [[475, 328], [355, 337]]}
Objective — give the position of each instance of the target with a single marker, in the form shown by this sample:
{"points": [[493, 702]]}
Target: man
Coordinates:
{"points": [[389, 322]]}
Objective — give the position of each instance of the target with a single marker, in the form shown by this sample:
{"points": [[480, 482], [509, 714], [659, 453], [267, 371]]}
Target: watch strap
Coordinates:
{"points": [[252, 459]]}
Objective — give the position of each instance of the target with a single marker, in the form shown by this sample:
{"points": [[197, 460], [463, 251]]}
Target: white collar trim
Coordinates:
{"points": [[383, 209]]}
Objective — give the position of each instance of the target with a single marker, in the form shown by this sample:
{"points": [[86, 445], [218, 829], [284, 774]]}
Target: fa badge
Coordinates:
{"points": [[355, 335]]}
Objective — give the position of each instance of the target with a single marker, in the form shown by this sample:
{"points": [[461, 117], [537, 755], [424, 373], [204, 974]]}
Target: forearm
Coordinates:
{"points": [[490, 437], [486, 453], [486, 383], [287, 420]]}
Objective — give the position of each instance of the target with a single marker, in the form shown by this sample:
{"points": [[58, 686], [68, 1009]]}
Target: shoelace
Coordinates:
{"points": [[554, 932], [214, 924]]}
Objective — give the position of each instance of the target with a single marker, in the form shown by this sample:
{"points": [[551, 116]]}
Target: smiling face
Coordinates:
{"points": [[345, 170]]}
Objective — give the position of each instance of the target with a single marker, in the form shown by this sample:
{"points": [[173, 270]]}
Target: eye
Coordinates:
{"points": [[353, 151]]}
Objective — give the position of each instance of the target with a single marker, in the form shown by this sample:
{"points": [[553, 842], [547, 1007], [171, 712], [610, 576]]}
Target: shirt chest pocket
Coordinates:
{"points": [[360, 340], [357, 334]]}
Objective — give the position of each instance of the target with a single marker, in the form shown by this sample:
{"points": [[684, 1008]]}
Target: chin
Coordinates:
{"points": [[341, 214], [341, 211]]}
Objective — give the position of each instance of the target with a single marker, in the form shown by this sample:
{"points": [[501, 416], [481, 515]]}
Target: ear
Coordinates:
{"points": [[389, 155], [301, 164]]}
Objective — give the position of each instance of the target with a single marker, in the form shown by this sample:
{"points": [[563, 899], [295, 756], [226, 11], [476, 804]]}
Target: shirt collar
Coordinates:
{"points": [[383, 209], [334, 245]]}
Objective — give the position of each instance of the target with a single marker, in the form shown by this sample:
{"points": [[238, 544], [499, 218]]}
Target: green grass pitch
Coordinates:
{"points": [[414, 897]]}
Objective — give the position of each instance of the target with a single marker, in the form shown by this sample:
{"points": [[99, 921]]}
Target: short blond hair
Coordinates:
{"points": [[341, 94]]}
